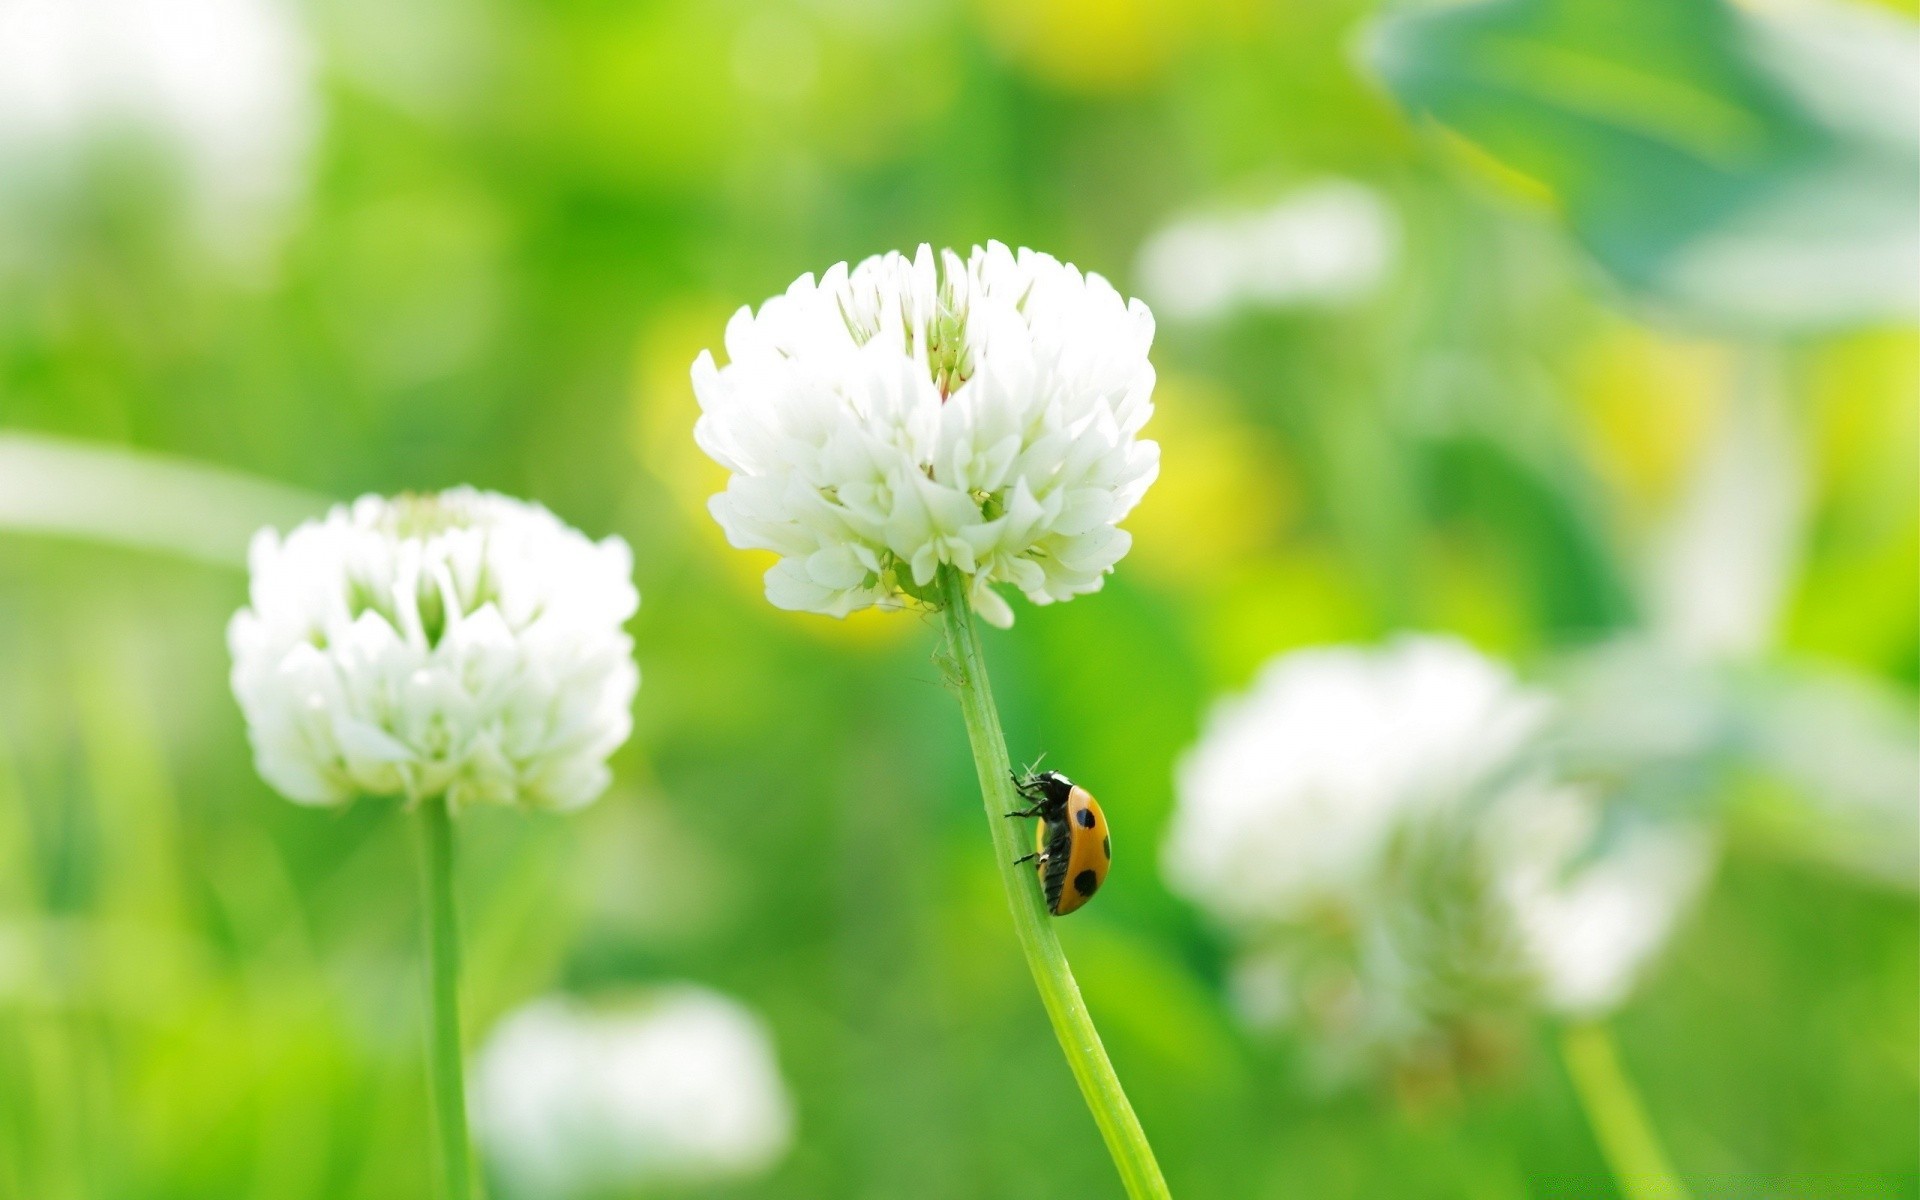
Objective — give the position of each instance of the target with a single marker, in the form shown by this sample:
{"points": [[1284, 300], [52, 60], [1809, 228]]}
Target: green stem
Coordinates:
{"points": [[1619, 1120], [1126, 1142], [443, 976]]}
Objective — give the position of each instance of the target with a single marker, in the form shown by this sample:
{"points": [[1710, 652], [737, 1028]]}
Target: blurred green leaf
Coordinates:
{"points": [[1750, 170]]}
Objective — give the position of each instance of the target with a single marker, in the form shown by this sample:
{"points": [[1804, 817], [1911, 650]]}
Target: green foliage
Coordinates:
{"points": [[521, 223], [1750, 170]]}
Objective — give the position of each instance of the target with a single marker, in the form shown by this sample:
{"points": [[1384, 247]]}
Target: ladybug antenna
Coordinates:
{"points": [[1035, 764]]}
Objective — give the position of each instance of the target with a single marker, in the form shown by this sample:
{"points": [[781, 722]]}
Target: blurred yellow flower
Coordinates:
{"points": [[1649, 403], [1223, 493], [1094, 45]]}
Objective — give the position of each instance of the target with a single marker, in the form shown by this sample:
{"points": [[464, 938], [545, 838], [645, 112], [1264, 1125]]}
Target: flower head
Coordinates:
{"points": [[909, 413], [1401, 868], [682, 1086], [1295, 791], [462, 644]]}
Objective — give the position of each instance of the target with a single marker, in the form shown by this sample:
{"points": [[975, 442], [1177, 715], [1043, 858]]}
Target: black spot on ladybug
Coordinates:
{"points": [[1106, 844], [1085, 817], [1085, 882]]}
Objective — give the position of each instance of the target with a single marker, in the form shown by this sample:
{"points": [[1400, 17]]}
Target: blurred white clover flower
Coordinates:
{"points": [[1295, 790], [913, 412], [463, 644], [1328, 244], [1398, 866], [1589, 926], [682, 1086], [225, 86]]}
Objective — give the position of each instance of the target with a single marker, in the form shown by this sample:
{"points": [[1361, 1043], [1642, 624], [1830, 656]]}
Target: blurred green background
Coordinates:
{"points": [[349, 246]]}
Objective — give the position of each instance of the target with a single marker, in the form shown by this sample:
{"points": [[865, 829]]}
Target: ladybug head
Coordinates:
{"points": [[1051, 785]]}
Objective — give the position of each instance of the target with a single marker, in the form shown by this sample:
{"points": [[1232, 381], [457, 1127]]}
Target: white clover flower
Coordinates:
{"points": [[1293, 793], [682, 1087], [908, 413], [1589, 925], [463, 644], [1400, 868]]}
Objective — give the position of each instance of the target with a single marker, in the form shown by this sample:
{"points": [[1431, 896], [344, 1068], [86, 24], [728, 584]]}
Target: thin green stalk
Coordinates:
{"points": [[1619, 1120], [443, 976], [1126, 1142]]}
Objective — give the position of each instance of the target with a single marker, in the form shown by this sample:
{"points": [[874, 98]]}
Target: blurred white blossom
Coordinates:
{"points": [[1589, 926], [462, 644], [682, 1086], [913, 412], [1292, 794], [1381, 834], [225, 86], [1328, 244]]}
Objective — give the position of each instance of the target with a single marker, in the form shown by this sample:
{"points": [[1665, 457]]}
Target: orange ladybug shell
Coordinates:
{"points": [[1075, 852]]}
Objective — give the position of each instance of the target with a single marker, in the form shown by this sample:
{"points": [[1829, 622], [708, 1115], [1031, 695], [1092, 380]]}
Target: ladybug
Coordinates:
{"points": [[1071, 844]]}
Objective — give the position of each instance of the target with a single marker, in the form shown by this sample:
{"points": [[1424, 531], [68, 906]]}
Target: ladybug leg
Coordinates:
{"points": [[1027, 782], [1027, 858], [1024, 785]]}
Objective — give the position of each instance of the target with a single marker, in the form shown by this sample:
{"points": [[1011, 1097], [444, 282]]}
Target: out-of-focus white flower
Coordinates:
{"points": [[913, 412], [1385, 837], [1325, 245], [226, 85], [1589, 926], [1295, 790], [463, 644], [681, 1087]]}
